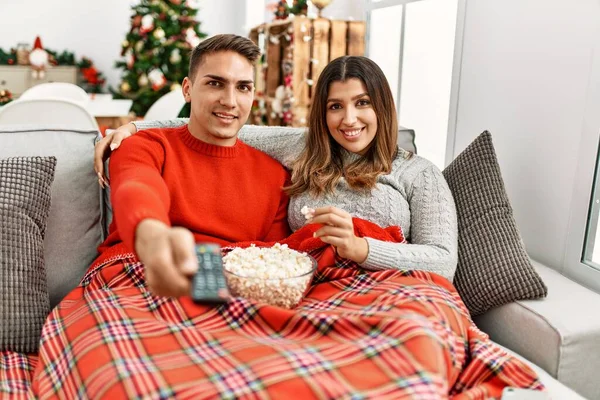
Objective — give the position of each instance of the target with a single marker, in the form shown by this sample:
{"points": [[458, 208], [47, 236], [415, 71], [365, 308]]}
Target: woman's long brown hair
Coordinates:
{"points": [[320, 166]]}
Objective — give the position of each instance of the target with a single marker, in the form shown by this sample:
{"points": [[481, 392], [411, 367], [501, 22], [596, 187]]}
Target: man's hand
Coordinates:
{"points": [[105, 146], [338, 231], [168, 256]]}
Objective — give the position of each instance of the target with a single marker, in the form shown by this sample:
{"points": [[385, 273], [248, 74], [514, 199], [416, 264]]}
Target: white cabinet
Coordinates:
{"points": [[18, 78]]}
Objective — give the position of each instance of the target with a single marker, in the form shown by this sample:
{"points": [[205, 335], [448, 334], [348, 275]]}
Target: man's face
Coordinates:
{"points": [[221, 97]]}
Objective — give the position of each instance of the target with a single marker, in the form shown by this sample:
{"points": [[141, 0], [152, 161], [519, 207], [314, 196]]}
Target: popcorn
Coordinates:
{"points": [[274, 275], [308, 212]]}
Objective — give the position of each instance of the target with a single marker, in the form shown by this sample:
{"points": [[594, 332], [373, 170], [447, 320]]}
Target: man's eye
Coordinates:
{"points": [[214, 83], [245, 88]]}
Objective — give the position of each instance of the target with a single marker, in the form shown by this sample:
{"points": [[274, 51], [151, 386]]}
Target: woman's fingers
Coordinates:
{"points": [[332, 231], [332, 219], [104, 147]]}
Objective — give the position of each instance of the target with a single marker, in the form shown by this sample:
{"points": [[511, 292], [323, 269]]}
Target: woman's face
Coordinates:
{"points": [[350, 117]]}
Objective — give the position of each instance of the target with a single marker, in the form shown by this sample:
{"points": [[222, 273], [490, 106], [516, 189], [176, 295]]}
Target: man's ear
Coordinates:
{"points": [[186, 88]]}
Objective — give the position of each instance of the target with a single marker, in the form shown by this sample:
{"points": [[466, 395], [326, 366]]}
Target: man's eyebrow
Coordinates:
{"points": [[354, 98], [224, 80]]}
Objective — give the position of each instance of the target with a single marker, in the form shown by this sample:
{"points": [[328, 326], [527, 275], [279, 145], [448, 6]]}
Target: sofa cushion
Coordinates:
{"points": [[493, 267], [560, 333], [25, 184], [74, 228]]}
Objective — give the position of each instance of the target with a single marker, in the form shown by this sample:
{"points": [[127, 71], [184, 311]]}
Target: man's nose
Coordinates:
{"points": [[228, 97]]}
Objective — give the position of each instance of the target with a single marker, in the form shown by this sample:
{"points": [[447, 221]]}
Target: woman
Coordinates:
{"points": [[349, 165]]}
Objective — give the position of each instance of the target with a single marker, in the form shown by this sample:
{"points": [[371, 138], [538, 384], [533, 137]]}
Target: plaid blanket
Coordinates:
{"points": [[356, 335], [16, 372]]}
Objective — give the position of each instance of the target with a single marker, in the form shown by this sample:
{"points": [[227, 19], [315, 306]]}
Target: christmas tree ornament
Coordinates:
{"points": [[147, 23], [136, 21], [175, 57], [125, 87], [159, 33], [139, 46], [176, 2], [175, 86], [157, 79], [38, 58], [129, 58], [192, 38], [125, 43], [143, 80]]}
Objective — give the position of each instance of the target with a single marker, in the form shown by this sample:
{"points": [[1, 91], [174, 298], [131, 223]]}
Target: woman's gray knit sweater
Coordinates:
{"points": [[414, 196]]}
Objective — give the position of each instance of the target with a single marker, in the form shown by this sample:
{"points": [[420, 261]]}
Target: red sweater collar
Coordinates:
{"points": [[208, 149]]}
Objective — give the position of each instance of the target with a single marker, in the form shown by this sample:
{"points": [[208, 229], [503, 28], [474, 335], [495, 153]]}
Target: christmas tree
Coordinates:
{"points": [[157, 50]]}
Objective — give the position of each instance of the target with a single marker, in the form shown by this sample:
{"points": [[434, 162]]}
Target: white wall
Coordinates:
{"points": [[427, 74], [525, 74], [95, 28]]}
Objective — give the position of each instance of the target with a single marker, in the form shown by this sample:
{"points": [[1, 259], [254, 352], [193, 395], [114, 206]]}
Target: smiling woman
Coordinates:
{"points": [[351, 119]]}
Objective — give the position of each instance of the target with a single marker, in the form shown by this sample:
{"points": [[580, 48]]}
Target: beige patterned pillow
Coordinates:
{"points": [[24, 207]]}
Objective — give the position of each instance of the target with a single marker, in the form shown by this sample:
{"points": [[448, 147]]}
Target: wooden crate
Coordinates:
{"points": [[295, 52]]}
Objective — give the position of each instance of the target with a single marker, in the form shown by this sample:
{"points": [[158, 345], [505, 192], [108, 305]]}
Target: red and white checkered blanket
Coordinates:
{"points": [[357, 334]]}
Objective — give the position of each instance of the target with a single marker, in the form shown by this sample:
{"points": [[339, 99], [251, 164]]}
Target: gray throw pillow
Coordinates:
{"points": [[493, 266], [25, 196]]}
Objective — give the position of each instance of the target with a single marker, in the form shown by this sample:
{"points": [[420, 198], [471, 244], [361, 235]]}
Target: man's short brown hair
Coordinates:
{"points": [[226, 42]]}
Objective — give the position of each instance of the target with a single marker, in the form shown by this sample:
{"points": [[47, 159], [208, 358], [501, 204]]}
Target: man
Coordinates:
{"points": [[173, 187]]}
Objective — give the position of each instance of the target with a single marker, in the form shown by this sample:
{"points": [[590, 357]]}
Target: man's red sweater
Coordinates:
{"points": [[221, 194]]}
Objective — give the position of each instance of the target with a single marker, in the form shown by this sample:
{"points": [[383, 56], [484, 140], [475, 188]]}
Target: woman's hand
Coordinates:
{"points": [[105, 146], [338, 231]]}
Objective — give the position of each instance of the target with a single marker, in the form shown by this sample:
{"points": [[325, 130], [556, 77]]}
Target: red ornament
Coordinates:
{"points": [[11, 61]]}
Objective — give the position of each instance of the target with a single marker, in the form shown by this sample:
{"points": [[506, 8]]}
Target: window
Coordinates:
{"points": [[582, 256], [415, 44], [591, 248]]}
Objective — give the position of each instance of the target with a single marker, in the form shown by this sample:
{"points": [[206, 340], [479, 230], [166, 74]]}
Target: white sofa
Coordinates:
{"points": [[560, 335]]}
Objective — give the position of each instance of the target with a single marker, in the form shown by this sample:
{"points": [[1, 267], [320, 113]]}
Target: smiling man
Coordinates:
{"points": [[172, 187]]}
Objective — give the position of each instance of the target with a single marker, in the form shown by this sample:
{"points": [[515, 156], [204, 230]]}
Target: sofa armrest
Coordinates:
{"points": [[560, 333]]}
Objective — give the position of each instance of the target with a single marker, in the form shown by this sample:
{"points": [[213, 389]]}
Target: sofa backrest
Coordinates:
{"points": [[74, 230]]}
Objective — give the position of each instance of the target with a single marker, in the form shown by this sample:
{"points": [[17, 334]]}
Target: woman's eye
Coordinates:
{"points": [[335, 107], [363, 103]]}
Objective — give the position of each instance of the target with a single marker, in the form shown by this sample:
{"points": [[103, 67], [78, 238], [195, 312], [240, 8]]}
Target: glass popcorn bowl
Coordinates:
{"points": [[269, 280]]}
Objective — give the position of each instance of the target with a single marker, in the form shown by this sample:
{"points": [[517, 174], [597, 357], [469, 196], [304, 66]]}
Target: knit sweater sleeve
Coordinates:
{"points": [[433, 243], [138, 190], [169, 123]]}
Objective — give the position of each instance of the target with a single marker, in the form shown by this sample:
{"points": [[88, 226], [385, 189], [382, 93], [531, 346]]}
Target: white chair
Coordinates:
{"points": [[56, 90], [48, 112], [167, 107]]}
